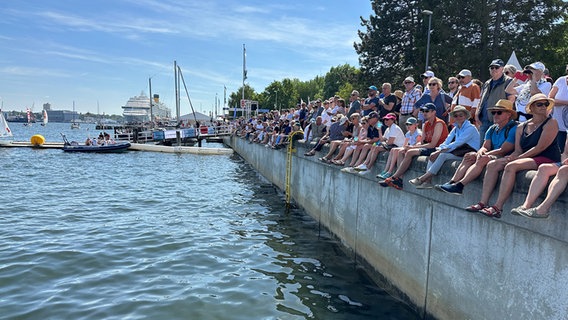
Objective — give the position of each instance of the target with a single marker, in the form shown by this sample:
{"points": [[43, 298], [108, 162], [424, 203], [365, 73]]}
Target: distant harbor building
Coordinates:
{"points": [[137, 109], [47, 106]]}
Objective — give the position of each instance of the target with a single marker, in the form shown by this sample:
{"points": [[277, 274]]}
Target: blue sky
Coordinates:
{"points": [[104, 51]]}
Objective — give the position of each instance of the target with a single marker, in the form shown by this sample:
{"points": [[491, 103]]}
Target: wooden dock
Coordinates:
{"points": [[26, 144]]}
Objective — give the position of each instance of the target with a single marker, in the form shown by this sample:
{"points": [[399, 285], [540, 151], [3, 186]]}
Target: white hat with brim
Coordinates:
{"points": [[459, 108]]}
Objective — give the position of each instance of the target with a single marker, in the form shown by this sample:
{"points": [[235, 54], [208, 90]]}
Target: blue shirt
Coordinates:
{"points": [[497, 136], [440, 103], [459, 136]]}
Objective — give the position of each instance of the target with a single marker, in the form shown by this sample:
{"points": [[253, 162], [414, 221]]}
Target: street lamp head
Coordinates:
{"points": [[427, 12]]}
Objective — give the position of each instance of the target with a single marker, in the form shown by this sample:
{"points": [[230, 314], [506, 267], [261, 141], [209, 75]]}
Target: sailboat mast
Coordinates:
{"points": [[151, 113], [176, 84]]}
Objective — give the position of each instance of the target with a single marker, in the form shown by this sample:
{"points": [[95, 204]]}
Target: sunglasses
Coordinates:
{"points": [[497, 112], [452, 82], [542, 104], [507, 73], [494, 67], [459, 115], [426, 110], [460, 77], [407, 82], [432, 84]]}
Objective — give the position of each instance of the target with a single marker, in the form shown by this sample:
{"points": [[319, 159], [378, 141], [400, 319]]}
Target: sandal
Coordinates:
{"points": [[323, 159], [492, 211], [476, 207], [338, 162]]}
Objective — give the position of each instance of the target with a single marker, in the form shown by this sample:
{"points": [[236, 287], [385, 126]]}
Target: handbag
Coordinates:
{"points": [[462, 150]]}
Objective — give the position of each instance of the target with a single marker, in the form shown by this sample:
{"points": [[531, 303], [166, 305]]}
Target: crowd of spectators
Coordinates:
{"points": [[516, 120]]}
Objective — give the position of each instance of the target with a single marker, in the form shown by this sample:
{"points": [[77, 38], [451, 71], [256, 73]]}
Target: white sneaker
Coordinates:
{"points": [[361, 167], [348, 170], [415, 182]]}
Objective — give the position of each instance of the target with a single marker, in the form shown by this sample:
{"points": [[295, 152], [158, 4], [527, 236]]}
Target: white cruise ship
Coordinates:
{"points": [[137, 109]]}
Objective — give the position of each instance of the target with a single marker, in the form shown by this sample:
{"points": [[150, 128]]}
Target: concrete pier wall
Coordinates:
{"points": [[449, 263]]}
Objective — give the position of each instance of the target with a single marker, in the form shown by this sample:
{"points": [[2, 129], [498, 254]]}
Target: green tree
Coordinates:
{"points": [[464, 35]]}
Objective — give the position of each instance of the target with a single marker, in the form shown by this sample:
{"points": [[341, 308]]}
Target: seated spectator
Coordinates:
{"points": [[535, 144], [347, 136], [373, 135], [335, 133], [315, 130], [413, 137], [463, 138], [393, 138], [499, 142], [351, 135], [434, 132], [538, 184], [358, 139]]}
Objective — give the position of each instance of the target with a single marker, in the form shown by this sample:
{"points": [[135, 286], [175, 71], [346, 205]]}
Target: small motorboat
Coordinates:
{"points": [[74, 146]]}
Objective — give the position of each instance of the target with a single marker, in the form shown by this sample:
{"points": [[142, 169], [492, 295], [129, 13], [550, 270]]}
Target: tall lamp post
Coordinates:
{"points": [[429, 14]]}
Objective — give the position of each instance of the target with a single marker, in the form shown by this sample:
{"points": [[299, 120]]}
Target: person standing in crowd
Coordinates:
{"points": [[388, 103], [464, 136], [492, 91], [434, 132], [559, 93], [409, 98], [371, 103], [435, 96], [524, 92], [469, 93], [426, 76], [453, 87], [535, 144], [354, 104], [499, 142]]}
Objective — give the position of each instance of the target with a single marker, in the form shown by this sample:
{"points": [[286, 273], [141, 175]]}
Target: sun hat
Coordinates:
{"points": [[459, 108], [538, 97], [504, 105], [398, 94], [342, 120]]}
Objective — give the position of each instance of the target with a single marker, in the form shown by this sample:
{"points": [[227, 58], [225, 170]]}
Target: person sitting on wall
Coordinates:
{"points": [[413, 137], [463, 138], [358, 139], [538, 184], [499, 142], [335, 133], [393, 138], [535, 144], [373, 135], [351, 134], [347, 137], [434, 132]]}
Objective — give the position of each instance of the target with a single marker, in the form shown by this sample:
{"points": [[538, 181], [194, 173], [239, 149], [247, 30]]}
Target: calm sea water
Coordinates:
{"points": [[145, 235]]}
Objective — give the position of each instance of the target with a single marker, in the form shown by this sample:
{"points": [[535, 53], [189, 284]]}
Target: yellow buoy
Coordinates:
{"points": [[37, 140]]}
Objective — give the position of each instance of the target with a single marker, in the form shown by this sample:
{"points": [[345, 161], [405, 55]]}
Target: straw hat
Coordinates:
{"points": [[463, 109], [504, 105], [539, 97], [399, 94]]}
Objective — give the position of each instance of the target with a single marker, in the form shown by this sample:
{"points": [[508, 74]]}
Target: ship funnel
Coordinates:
{"points": [[156, 98]]}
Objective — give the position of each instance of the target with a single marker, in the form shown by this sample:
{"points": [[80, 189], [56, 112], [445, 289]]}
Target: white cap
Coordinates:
{"points": [[465, 73], [428, 74], [536, 66]]}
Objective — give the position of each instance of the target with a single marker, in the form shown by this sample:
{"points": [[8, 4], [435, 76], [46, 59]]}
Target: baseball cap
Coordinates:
{"points": [[428, 74], [372, 115], [411, 120], [373, 88], [536, 66], [465, 73], [390, 116], [409, 78], [428, 106], [497, 62]]}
